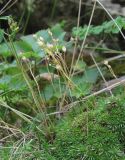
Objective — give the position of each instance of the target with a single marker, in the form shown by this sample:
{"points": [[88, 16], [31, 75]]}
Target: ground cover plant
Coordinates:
{"points": [[61, 92]]}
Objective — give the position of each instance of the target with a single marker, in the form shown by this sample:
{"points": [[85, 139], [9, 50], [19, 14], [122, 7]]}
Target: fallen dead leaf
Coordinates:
{"points": [[47, 76]]}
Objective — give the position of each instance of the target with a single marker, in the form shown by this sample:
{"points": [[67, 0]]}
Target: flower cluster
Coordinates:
{"points": [[50, 48]]}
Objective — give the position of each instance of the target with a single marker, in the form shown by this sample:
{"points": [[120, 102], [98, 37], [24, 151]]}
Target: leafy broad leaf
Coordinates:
{"points": [[30, 41], [84, 84], [19, 46], [108, 27], [53, 91], [81, 89]]}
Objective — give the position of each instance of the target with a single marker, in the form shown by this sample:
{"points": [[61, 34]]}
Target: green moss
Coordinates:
{"points": [[94, 135]]}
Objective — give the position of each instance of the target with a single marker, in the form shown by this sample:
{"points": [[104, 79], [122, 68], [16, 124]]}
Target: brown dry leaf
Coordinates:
{"points": [[47, 76]]}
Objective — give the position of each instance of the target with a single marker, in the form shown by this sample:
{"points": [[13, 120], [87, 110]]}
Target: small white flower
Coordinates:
{"points": [[55, 40], [41, 38], [106, 62], [34, 36], [71, 39], [58, 67], [64, 49], [50, 33], [21, 53], [40, 43], [24, 58], [49, 45]]}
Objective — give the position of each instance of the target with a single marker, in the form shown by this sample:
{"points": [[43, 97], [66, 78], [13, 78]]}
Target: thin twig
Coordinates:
{"points": [[5, 8]]}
